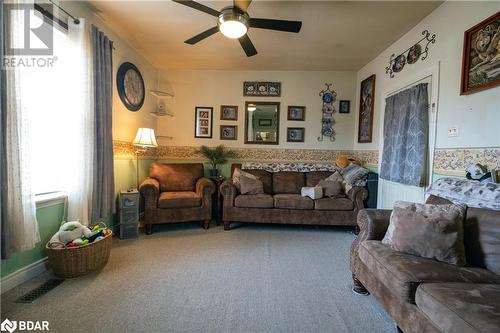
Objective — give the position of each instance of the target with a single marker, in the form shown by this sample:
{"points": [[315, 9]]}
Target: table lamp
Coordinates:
{"points": [[144, 139]]}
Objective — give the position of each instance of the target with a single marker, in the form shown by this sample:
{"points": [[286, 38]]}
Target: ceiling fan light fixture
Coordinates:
{"points": [[233, 23]]}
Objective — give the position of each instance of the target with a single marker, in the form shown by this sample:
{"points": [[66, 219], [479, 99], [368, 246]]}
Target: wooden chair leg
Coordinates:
{"points": [[149, 229], [227, 225], [206, 224], [358, 287]]}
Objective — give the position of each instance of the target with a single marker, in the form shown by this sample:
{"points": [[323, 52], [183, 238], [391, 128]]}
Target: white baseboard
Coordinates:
{"points": [[24, 274]]}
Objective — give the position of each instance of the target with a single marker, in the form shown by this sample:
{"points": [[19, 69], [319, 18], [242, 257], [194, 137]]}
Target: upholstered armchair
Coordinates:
{"points": [[177, 193]]}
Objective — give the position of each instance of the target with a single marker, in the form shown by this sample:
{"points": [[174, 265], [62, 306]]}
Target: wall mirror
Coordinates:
{"points": [[262, 122]]}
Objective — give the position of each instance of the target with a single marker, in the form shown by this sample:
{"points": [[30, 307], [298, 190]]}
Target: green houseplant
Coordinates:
{"points": [[217, 156]]}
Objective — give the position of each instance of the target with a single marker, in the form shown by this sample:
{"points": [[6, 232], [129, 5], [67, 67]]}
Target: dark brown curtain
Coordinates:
{"points": [[103, 194], [4, 232]]}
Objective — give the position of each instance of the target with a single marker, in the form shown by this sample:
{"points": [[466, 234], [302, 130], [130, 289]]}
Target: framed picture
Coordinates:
{"points": [[366, 99], [344, 106], [297, 113], [228, 132], [203, 118], [228, 112], [257, 88], [481, 56], [295, 134]]}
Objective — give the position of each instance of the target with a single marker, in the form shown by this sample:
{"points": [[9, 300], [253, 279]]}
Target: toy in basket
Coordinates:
{"points": [[77, 250]]}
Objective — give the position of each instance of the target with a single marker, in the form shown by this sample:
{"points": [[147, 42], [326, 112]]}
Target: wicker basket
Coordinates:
{"points": [[77, 261]]}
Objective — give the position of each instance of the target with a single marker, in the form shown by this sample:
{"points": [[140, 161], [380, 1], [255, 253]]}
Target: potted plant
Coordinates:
{"points": [[217, 156]]}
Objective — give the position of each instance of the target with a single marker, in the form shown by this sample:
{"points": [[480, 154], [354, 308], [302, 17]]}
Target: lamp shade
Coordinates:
{"points": [[145, 138]]}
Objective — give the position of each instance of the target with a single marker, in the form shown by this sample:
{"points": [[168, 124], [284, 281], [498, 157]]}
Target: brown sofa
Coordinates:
{"points": [[282, 202], [177, 193], [424, 295]]}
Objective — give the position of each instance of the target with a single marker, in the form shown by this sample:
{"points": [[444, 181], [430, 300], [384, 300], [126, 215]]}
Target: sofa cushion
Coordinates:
{"points": [[292, 201], [265, 177], [180, 199], [429, 231], [250, 185], [176, 177], [314, 177], [254, 201], [461, 307], [402, 273], [288, 182], [333, 204], [332, 189]]}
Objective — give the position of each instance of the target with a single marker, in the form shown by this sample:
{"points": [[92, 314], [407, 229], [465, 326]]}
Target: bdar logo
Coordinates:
{"points": [[8, 325]]}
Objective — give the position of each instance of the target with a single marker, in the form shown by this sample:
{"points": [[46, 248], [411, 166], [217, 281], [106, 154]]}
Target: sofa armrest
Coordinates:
{"points": [[358, 195], [373, 224], [150, 190], [228, 191], [205, 188]]}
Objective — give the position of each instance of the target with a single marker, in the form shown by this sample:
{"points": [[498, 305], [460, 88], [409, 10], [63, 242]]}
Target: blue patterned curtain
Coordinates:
{"points": [[406, 127]]}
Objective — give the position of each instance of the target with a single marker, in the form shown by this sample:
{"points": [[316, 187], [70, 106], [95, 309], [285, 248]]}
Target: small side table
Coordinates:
{"points": [[129, 214], [217, 199]]}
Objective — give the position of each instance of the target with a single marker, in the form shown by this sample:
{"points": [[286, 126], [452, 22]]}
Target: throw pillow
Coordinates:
{"points": [[332, 189], [429, 231], [335, 177], [355, 175], [237, 174], [251, 186]]}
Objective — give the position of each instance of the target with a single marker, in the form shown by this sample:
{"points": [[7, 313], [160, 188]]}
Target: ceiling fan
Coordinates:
{"points": [[234, 22]]}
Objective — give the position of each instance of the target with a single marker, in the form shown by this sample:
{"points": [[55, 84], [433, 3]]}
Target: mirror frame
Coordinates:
{"points": [[277, 104]]}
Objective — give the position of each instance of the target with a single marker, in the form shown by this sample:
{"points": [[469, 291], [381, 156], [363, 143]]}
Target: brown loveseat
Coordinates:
{"points": [[424, 295], [282, 202], [177, 193]]}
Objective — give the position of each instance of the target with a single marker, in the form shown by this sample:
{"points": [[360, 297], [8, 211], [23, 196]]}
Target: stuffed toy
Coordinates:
{"points": [[70, 231], [478, 172]]}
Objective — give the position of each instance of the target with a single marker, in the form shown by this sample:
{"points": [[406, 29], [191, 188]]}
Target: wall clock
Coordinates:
{"points": [[130, 86]]}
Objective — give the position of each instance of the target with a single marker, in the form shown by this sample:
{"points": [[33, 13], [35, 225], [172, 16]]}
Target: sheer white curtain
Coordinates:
{"points": [[21, 209], [80, 124]]}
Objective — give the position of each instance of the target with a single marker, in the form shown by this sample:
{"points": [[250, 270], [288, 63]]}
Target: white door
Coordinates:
{"points": [[390, 192]]}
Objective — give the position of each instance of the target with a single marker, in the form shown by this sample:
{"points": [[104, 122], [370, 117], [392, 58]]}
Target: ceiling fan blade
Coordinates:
{"points": [[242, 4], [280, 25], [202, 36], [198, 6], [247, 46]]}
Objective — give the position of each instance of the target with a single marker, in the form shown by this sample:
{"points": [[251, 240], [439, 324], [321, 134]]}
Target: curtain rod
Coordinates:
{"points": [[75, 20]]}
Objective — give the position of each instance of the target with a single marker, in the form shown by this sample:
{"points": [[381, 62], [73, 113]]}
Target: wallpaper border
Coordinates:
{"points": [[452, 162]]}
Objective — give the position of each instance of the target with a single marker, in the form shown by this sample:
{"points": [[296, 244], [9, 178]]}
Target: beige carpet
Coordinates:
{"points": [[254, 278]]}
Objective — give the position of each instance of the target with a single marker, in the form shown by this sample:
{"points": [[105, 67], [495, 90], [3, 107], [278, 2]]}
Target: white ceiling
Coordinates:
{"points": [[335, 35]]}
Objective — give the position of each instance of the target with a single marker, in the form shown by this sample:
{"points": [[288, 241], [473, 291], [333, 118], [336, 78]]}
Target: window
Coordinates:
{"points": [[52, 95]]}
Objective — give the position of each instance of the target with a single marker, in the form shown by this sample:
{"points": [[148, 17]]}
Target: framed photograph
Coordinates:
{"points": [[344, 106], [297, 113], [481, 56], [366, 99], [228, 112], [295, 134], [257, 88], [203, 118], [228, 132]]}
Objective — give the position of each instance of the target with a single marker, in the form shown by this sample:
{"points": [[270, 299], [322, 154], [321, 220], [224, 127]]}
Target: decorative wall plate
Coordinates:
{"points": [[328, 96], [413, 54], [130, 86]]}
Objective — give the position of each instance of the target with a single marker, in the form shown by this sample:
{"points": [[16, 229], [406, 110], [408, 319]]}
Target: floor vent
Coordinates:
{"points": [[38, 292]]}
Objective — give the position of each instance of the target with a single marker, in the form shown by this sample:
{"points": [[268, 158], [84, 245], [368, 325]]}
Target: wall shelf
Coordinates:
{"points": [[161, 94], [159, 115]]}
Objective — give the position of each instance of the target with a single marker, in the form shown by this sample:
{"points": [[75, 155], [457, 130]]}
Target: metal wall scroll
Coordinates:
{"points": [[397, 63], [328, 96]]}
